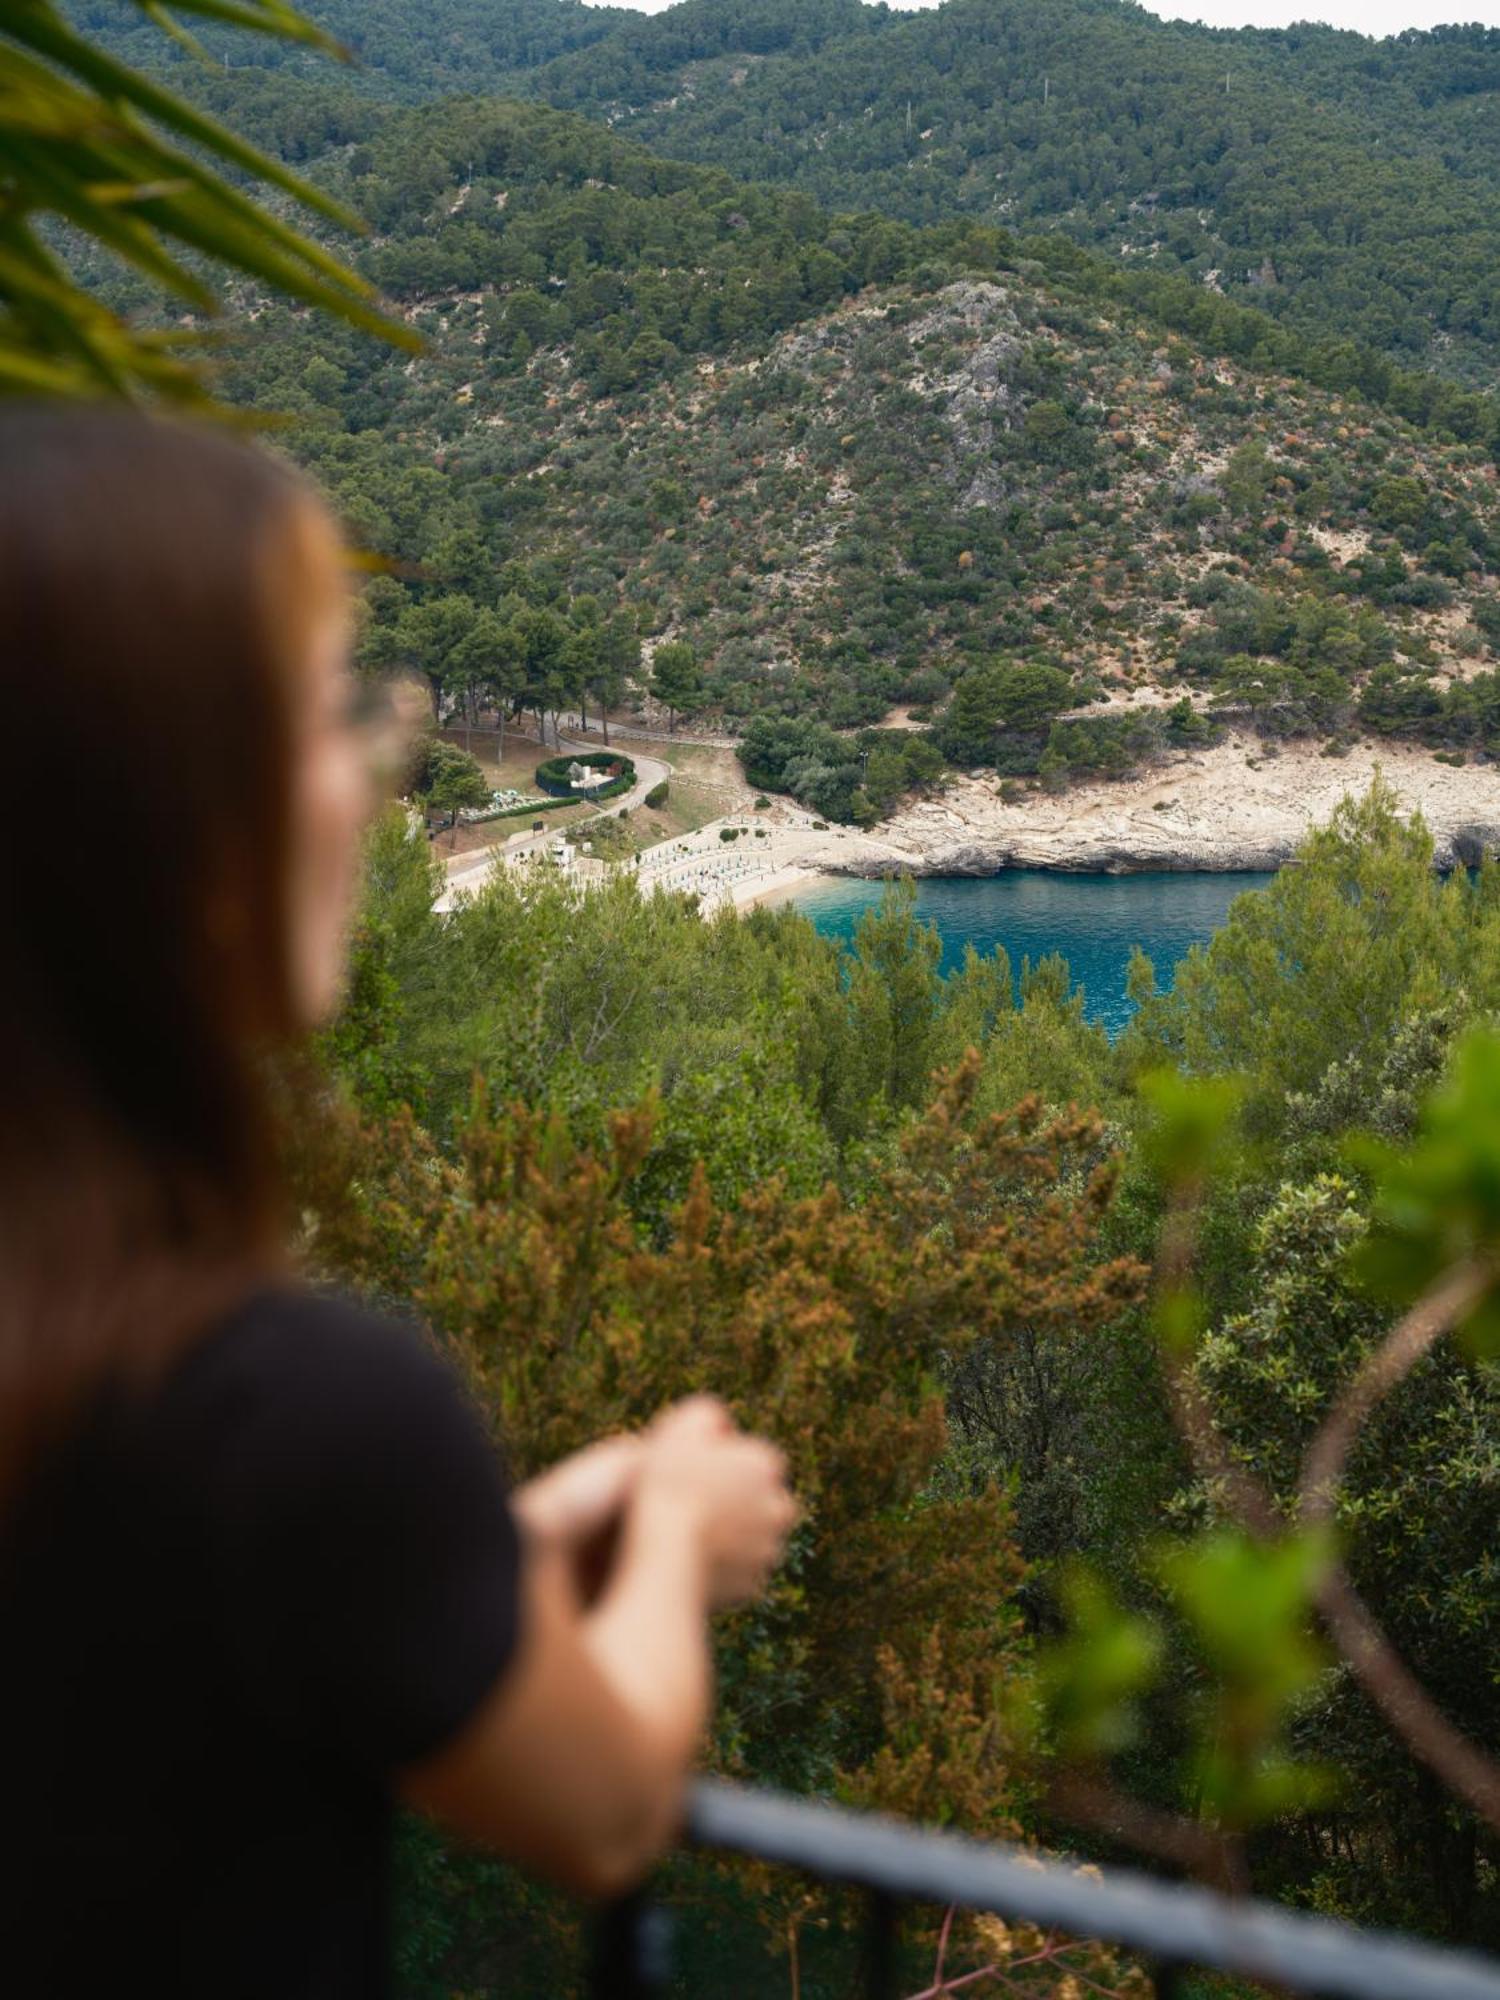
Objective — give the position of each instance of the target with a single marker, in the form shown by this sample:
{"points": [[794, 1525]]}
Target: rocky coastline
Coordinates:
{"points": [[1237, 806]]}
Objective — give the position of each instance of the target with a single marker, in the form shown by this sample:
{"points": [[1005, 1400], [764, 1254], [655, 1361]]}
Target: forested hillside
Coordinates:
{"points": [[865, 473], [398, 50], [1345, 185], [1341, 183]]}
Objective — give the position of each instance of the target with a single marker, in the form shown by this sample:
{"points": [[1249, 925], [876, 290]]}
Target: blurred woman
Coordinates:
{"points": [[260, 1575]]}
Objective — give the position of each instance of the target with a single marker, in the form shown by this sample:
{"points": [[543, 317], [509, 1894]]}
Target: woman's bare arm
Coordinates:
{"points": [[574, 1765], [575, 1762]]}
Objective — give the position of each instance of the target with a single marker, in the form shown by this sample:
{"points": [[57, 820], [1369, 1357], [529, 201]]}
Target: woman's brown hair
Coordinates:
{"points": [[159, 588]]}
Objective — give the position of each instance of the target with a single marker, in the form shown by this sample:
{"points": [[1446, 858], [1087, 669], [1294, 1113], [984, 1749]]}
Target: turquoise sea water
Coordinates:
{"points": [[1093, 920]]}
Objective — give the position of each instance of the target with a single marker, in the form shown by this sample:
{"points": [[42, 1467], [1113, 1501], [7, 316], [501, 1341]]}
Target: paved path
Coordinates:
{"points": [[468, 871]]}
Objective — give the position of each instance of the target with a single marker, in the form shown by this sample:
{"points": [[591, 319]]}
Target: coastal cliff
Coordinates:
{"points": [[1238, 805]]}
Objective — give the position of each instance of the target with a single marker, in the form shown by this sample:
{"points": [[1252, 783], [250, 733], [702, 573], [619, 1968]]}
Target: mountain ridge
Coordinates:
{"points": [[1349, 187], [1151, 138], [869, 474]]}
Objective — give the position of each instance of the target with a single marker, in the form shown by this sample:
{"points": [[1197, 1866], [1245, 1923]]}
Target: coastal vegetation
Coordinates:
{"points": [[866, 1188]]}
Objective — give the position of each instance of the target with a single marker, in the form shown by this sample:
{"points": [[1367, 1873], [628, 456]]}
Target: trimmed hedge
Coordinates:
{"points": [[552, 777], [657, 796], [520, 812]]}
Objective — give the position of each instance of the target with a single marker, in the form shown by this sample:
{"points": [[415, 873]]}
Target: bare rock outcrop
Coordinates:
{"points": [[1232, 807]]}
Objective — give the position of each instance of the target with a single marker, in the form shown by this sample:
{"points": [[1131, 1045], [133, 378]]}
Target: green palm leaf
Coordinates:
{"points": [[128, 164]]}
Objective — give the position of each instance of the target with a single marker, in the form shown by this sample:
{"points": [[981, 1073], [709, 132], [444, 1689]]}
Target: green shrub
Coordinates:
{"points": [[1099, 746], [552, 777], [532, 806], [729, 833], [448, 779], [657, 796]]}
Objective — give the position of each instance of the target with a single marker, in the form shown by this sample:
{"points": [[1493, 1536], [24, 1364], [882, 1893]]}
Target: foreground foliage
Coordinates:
{"points": [[1028, 1596], [872, 1667], [155, 181]]}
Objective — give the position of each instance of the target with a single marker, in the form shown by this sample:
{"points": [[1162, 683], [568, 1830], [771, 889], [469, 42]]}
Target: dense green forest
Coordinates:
{"points": [[857, 467], [827, 465], [1344, 185], [853, 1242], [396, 50], [985, 483]]}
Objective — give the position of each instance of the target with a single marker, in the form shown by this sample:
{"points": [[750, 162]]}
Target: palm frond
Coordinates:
{"points": [[134, 167]]}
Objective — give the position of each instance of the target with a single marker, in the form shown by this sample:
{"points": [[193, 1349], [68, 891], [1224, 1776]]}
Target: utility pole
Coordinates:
{"points": [[1046, 90], [908, 121]]}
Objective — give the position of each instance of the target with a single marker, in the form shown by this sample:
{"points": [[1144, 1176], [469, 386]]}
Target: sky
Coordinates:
{"points": [[1370, 17]]}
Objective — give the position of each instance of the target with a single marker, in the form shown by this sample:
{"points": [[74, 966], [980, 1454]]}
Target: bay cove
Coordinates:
{"points": [[1094, 921]]}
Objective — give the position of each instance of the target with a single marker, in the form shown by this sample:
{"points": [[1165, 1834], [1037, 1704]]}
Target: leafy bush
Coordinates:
{"points": [[820, 768], [1100, 746], [555, 775], [447, 779], [530, 808], [657, 796], [1397, 704], [1002, 699]]}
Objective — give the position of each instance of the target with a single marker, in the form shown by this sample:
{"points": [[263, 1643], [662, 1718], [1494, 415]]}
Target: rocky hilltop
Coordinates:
{"points": [[904, 503]]}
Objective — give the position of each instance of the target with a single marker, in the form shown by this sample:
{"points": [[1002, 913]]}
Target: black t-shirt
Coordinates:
{"points": [[228, 1613]]}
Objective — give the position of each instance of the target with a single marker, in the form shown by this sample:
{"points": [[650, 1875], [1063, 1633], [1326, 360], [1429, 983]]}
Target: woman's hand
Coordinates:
{"points": [[575, 1508], [693, 1464], [732, 1487], [576, 1762]]}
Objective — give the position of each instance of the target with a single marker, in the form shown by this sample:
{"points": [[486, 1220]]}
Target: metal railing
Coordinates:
{"points": [[1172, 1927]]}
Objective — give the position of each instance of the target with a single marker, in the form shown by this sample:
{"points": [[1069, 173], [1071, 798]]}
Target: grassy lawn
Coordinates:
{"points": [[516, 772], [701, 763], [706, 784], [616, 839], [689, 805]]}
